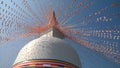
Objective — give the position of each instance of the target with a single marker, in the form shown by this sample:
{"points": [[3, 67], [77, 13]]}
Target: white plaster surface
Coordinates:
{"points": [[48, 47]]}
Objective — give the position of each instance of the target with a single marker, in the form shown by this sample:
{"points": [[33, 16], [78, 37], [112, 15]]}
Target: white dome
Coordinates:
{"points": [[49, 46]]}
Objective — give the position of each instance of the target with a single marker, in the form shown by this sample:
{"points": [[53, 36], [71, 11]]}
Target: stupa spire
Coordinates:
{"points": [[53, 28]]}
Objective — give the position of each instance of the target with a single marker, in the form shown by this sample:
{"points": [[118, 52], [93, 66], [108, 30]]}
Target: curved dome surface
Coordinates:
{"points": [[48, 48]]}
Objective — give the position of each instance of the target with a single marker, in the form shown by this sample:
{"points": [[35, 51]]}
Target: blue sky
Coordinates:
{"points": [[89, 58]]}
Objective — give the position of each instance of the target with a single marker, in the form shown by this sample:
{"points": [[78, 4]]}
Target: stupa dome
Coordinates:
{"points": [[48, 48]]}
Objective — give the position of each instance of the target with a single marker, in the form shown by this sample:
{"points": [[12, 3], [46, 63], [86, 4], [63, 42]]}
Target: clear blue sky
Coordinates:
{"points": [[88, 58]]}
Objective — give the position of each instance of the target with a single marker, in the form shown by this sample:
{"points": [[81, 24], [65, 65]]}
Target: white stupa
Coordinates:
{"points": [[48, 51]]}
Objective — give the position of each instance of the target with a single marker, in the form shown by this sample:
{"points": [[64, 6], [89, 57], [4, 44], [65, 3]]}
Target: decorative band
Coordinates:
{"points": [[44, 63]]}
